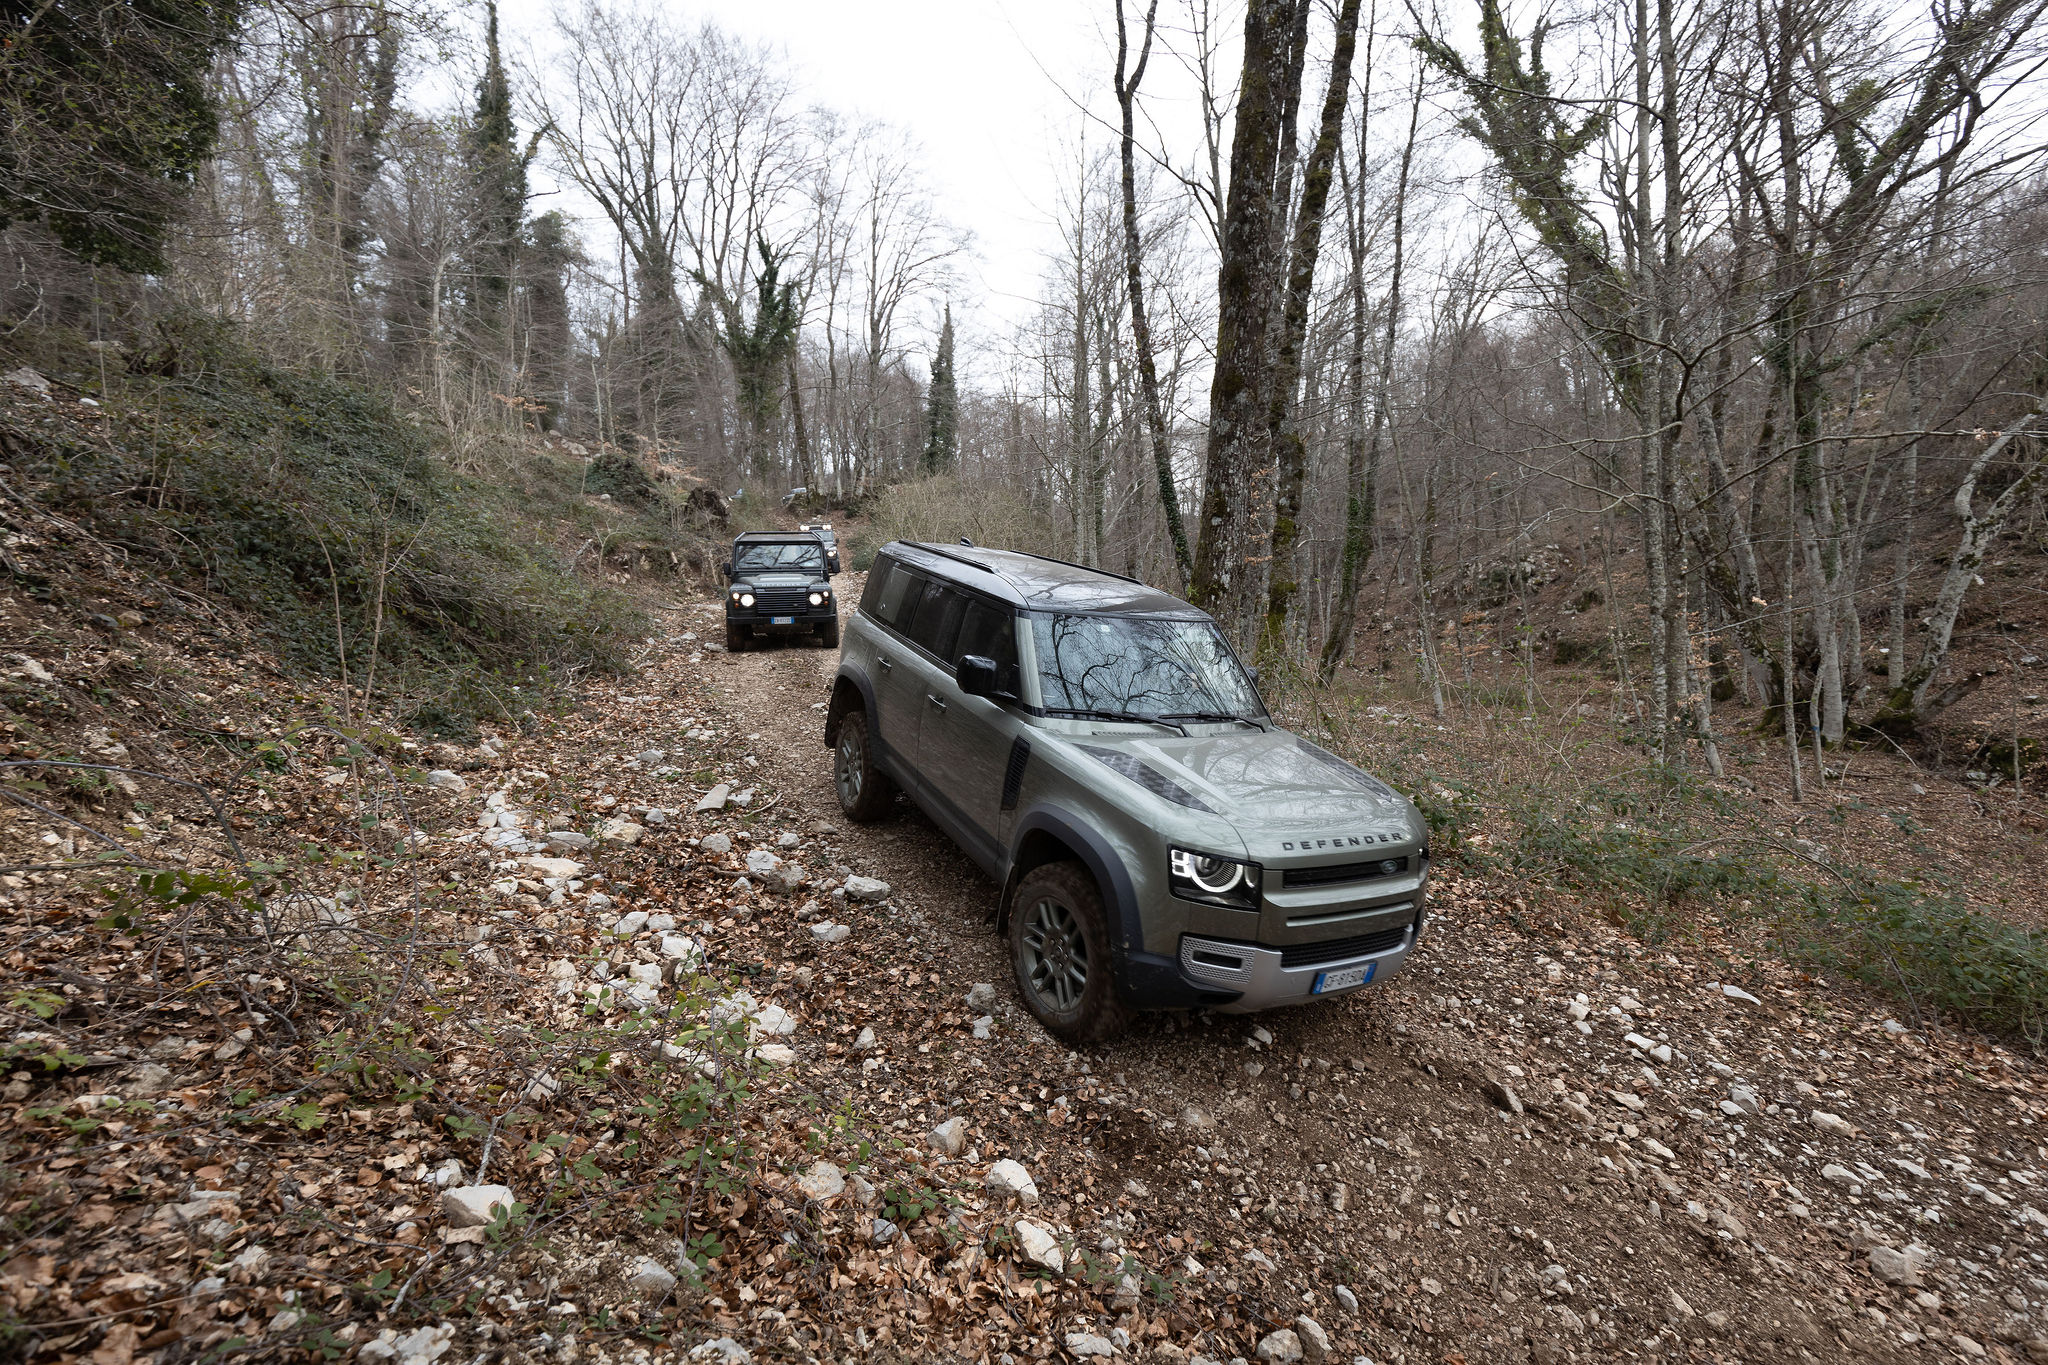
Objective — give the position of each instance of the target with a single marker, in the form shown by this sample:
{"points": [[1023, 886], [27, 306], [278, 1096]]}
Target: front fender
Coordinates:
{"points": [[842, 702], [1112, 878]]}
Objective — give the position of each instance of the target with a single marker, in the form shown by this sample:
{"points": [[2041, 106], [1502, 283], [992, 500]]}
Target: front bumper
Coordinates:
{"points": [[1262, 979], [806, 617]]}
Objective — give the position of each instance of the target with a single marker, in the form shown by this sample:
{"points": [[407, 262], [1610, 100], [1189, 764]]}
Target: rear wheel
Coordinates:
{"points": [[865, 792], [1059, 953], [737, 636], [828, 634]]}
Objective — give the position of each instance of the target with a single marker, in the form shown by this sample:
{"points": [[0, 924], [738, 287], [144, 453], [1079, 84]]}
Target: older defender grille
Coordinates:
{"points": [[1336, 950], [1335, 873], [782, 601]]}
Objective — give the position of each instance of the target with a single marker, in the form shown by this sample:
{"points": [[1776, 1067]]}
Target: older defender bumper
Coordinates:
{"points": [[1264, 979]]}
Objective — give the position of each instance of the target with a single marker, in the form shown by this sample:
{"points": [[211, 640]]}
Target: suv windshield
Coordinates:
{"points": [[795, 556], [1140, 666]]}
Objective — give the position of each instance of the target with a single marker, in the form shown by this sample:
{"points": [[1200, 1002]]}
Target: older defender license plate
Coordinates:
{"points": [[1344, 979], [782, 620]]}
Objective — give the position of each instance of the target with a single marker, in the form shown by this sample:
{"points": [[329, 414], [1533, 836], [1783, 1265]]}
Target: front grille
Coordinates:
{"points": [[1336, 950], [781, 601], [1343, 872]]}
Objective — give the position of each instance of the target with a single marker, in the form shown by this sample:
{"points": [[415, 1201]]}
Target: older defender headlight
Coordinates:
{"points": [[1212, 880], [746, 599], [817, 599]]}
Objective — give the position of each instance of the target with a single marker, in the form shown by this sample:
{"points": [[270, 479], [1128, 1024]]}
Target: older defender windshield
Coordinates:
{"points": [[789, 556], [1146, 667]]}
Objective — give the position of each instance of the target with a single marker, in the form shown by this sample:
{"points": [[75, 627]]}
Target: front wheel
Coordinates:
{"points": [[828, 634], [865, 792], [737, 636], [1060, 955]]}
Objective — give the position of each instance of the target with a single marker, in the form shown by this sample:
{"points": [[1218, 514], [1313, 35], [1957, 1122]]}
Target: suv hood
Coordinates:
{"points": [[779, 580], [1272, 785]]}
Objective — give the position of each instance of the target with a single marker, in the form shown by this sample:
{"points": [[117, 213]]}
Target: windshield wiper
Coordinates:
{"points": [[1128, 717], [1218, 716]]}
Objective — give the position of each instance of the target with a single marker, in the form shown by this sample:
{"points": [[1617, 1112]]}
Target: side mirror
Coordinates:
{"points": [[977, 675], [725, 570]]}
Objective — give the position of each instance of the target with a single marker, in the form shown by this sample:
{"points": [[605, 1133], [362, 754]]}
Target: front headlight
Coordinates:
{"points": [[746, 599], [817, 599], [1212, 880]]}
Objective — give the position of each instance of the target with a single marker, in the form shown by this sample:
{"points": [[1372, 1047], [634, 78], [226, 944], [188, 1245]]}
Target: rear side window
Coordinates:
{"points": [[890, 588], [937, 621], [990, 632]]}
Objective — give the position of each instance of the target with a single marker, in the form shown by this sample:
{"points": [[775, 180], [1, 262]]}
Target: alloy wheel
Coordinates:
{"points": [[1055, 955], [848, 774]]}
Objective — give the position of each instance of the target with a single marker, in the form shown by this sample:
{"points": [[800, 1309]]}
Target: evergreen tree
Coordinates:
{"points": [[497, 171], [942, 407], [105, 114]]}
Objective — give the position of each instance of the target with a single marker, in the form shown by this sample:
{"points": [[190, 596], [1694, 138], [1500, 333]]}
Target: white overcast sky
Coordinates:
{"points": [[980, 84]]}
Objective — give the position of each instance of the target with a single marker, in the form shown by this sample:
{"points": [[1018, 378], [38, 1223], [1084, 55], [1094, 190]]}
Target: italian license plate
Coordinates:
{"points": [[782, 620], [1343, 979]]}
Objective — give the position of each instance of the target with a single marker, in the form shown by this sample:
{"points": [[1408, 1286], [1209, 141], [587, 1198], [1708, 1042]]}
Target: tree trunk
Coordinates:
{"points": [[1239, 388], [1283, 432], [1363, 468], [1907, 704], [1134, 278]]}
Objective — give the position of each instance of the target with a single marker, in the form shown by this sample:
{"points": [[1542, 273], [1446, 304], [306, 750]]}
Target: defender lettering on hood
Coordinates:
{"points": [[1342, 841]]}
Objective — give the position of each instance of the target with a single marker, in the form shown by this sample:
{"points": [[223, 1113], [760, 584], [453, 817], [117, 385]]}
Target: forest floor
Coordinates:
{"points": [[543, 977]]}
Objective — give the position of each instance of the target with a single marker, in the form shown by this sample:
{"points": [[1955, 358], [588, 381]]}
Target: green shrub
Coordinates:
{"points": [[1661, 854], [1654, 866], [295, 496]]}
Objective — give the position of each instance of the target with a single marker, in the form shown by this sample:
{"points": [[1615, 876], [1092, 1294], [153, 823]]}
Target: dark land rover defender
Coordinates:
{"points": [[779, 583]]}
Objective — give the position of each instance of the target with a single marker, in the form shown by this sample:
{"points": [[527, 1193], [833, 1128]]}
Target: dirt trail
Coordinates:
{"points": [[1542, 1142]]}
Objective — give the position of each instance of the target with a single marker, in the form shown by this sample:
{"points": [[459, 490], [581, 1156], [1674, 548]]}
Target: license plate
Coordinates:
{"points": [[1343, 979], [782, 620]]}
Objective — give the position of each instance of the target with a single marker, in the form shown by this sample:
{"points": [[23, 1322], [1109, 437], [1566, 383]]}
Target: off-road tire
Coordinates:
{"points": [[1060, 955], [865, 792], [828, 634], [737, 637]]}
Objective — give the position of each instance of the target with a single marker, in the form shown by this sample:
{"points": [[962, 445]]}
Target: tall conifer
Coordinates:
{"points": [[498, 179], [942, 407]]}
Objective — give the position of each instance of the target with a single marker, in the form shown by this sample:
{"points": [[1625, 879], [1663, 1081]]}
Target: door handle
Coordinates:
{"points": [[887, 666], [934, 701]]}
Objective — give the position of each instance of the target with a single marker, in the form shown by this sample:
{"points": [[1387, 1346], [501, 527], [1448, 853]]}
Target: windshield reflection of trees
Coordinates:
{"points": [[769, 558], [1144, 667]]}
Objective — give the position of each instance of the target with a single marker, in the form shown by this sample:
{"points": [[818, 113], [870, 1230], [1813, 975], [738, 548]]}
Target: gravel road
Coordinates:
{"points": [[1544, 1142]]}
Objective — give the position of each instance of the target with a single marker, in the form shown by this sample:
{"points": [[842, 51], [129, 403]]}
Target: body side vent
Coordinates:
{"points": [[1013, 774]]}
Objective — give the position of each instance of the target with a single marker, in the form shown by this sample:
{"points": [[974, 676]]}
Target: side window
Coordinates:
{"points": [[890, 587], [992, 633], [937, 620]]}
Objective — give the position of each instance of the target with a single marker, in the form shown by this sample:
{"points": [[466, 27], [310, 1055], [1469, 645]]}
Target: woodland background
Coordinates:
{"points": [[1727, 314]]}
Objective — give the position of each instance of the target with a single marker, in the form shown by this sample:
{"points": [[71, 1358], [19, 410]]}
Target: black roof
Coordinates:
{"points": [[773, 537], [1038, 583]]}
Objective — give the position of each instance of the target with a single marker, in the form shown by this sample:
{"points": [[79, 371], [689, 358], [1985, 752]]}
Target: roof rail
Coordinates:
{"points": [[1106, 573], [944, 553]]}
